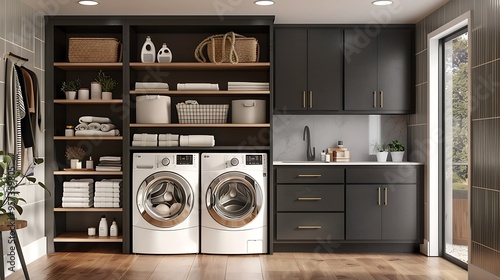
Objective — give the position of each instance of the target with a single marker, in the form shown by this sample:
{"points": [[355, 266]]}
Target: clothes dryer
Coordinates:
{"points": [[165, 203], [234, 203]]}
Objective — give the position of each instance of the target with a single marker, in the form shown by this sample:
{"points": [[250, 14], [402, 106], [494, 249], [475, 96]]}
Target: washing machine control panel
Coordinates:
{"points": [[234, 161], [184, 159], [253, 159], [165, 161]]}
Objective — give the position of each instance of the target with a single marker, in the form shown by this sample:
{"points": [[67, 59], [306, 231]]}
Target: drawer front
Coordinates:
{"points": [[310, 226], [310, 175], [303, 198], [381, 175]]}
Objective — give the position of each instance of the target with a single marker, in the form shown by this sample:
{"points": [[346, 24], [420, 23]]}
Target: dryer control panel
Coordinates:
{"points": [[184, 159], [253, 159]]}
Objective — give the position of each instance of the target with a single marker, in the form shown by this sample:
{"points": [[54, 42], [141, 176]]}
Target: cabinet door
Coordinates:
{"points": [[324, 71], [395, 70], [290, 69], [360, 71], [399, 212], [363, 213]]}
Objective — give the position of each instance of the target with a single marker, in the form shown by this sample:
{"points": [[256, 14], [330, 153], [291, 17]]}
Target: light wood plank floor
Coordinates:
{"points": [[286, 266]]}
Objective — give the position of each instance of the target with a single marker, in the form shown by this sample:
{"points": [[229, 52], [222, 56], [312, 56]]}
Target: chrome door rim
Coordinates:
{"points": [[219, 213], [146, 188]]}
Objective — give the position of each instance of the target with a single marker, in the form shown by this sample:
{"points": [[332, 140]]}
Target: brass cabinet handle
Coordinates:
{"points": [[378, 191], [310, 99], [385, 196], [308, 198], [381, 99], [374, 99], [309, 227], [309, 175], [304, 100]]}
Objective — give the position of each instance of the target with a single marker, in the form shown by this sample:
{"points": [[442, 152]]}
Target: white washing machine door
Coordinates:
{"points": [[234, 199], [165, 199]]}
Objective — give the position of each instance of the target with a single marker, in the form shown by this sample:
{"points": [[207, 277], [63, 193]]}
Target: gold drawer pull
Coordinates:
{"points": [[309, 175], [309, 227], [308, 198]]}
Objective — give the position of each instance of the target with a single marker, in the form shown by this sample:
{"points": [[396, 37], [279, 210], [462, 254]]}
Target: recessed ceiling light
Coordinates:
{"points": [[382, 2], [264, 2], [88, 2]]}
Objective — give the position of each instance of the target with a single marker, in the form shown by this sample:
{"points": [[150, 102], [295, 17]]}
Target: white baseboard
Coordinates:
{"points": [[424, 248], [31, 252]]}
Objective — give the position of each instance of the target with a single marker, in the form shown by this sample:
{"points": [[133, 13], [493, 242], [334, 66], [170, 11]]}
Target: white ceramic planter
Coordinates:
{"points": [[397, 156], [70, 95], [382, 156]]}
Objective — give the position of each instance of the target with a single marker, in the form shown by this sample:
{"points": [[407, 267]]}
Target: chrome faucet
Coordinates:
{"points": [[310, 154]]}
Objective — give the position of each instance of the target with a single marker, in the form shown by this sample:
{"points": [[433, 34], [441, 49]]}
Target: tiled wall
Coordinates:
{"points": [[22, 33], [485, 130]]}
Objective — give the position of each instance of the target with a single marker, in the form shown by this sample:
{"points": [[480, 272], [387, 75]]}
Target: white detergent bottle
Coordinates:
{"points": [[164, 54], [148, 53], [113, 229], [103, 226]]}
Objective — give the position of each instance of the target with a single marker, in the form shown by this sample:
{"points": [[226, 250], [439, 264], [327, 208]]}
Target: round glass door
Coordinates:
{"points": [[165, 199], [234, 199]]}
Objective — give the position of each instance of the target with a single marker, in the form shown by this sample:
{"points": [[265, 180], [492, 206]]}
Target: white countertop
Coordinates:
{"points": [[373, 163]]}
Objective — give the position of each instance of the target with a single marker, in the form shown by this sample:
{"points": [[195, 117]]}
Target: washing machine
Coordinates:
{"points": [[234, 203], [165, 203]]}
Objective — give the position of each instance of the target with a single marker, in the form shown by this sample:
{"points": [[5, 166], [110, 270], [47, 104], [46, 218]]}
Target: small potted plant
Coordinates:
{"points": [[70, 87], [107, 84], [397, 150], [382, 152], [75, 155]]}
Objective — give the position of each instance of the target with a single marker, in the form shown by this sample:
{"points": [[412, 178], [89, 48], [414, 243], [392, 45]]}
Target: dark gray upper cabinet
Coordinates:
{"points": [[378, 71], [308, 70]]}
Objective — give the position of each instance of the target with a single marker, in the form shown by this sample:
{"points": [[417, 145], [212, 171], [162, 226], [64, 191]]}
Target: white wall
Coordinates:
{"points": [[22, 32]]}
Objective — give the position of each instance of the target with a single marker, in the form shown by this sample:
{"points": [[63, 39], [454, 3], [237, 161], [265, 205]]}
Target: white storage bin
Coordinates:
{"points": [[152, 109], [248, 111]]}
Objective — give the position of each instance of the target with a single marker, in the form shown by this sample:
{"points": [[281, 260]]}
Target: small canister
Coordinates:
{"points": [[70, 131]]}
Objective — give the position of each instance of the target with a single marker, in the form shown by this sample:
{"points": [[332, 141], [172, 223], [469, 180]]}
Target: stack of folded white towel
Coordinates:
{"points": [[197, 86], [78, 193], [172, 140], [247, 86], [107, 193], [109, 163], [96, 126], [150, 85]]}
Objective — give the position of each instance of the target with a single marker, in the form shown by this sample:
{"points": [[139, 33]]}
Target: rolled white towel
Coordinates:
{"points": [[168, 137], [94, 126], [113, 132], [82, 126], [197, 141], [107, 127], [137, 143], [89, 119], [145, 137], [168, 143]]}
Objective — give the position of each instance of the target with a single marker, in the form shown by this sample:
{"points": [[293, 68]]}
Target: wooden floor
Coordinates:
{"points": [[286, 266]]}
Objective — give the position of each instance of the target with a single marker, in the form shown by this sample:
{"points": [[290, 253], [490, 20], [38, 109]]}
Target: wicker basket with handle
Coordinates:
{"points": [[101, 50], [229, 47]]}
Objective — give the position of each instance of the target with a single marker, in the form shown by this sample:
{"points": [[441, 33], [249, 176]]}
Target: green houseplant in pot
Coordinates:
{"points": [[9, 181], [70, 87], [107, 84], [397, 151], [382, 150]]}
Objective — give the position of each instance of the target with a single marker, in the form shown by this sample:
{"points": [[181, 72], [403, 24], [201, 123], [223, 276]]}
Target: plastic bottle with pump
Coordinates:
{"points": [[148, 53], [103, 226], [113, 229], [323, 155]]}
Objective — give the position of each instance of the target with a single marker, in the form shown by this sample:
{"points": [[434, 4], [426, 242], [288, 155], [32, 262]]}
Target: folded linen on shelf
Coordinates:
{"points": [[107, 204], [77, 204], [78, 194], [168, 143], [90, 119], [144, 143], [82, 126], [145, 137], [108, 168], [110, 195], [197, 141], [106, 127], [110, 158], [197, 86], [107, 184], [168, 137], [106, 199], [113, 132], [94, 126], [77, 190], [76, 199], [151, 85], [77, 184], [247, 86]]}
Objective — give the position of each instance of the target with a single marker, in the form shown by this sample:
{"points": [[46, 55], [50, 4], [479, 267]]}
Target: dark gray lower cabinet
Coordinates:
{"points": [[324, 227], [381, 212]]}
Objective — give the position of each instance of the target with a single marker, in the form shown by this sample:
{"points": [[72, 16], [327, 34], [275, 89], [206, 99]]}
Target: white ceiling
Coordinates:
{"points": [[286, 11]]}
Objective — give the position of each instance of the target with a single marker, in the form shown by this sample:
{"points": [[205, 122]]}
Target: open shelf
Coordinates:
{"points": [[83, 237], [87, 172], [91, 209], [188, 66], [216, 148], [88, 66], [112, 138], [200, 92], [87, 102], [228, 125]]}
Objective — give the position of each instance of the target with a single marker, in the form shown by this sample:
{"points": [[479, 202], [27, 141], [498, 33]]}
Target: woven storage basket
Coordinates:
{"points": [[213, 113], [229, 47], [94, 50]]}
